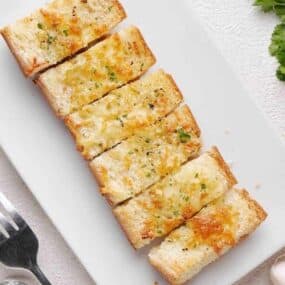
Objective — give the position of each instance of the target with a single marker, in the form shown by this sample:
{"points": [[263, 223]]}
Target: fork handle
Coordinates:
{"points": [[39, 275]]}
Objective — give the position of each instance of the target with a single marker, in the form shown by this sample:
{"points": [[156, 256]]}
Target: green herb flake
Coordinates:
{"points": [[50, 39], [148, 174], [40, 26], [183, 136], [147, 140], [110, 8], [197, 175], [151, 106], [111, 74], [176, 213], [65, 32], [203, 186]]}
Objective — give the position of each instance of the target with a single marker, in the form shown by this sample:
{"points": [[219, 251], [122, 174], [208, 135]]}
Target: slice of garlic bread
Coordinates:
{"points": [[59, 30], [150, 154], [208, 235], [123, 112], [176, 198], [111, 63]]}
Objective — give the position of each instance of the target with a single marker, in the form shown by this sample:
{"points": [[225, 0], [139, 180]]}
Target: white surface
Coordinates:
{"points": [[55, 257], [242, 34], [43, 152]]}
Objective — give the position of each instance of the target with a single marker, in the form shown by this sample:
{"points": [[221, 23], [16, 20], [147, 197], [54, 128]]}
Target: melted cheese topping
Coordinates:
{"points": [[174, 199], [123, 112], [206, 236], [152, 153], [111, 63], [62, 28]]}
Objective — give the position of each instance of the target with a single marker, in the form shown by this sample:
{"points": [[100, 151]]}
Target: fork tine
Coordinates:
{"points": [[12, 211], [6, 225], [2, 237]]}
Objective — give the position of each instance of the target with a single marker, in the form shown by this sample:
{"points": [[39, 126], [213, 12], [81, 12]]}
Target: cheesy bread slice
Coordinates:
{"points": [[208, 235], [106, 122], [59, 30], [111, 63], [150, 154], [167, 204]]}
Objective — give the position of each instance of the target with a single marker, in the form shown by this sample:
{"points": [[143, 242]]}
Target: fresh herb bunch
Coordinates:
{"points": [[277, 49], [277, 6], [277, 46]]}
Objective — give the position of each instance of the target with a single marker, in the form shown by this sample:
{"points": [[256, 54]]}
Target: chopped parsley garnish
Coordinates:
{"points": [[159, 232], [65, 32], [203, 186], [185, 249], [110, 8], [50, 39], [142, 65], [111, 74], [40, 26], [151, 106], [183, 136], [197, 175], [147, 140], [176, 213], [148, 174]]}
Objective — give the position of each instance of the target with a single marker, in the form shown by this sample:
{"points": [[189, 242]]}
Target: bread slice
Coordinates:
{"points": [[208, 235], [106, 122], [176, 198], [111, 63], [150, 154], [59, 30]]}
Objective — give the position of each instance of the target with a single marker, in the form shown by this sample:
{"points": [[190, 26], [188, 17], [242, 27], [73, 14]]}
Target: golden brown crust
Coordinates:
{"points": [[215, 153], [146, 47], [122, 222], [48, 96], [190, 119], [121, 9], [175, 86], [94, 169], [253, 205], [165, 273], [5, 33]]}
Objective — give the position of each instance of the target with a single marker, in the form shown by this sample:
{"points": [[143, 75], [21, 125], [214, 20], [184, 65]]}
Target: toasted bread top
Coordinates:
{"points": [[123, 112], [176, 198], [60, 29], [111, 63], [209, 234], [150, 154]]}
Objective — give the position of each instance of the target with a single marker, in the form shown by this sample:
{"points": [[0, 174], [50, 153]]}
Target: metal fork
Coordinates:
{"points": [[18, 244]]}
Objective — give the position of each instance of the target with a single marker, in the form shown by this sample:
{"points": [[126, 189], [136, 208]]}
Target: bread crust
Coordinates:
{"points": [[190, 119], [24, 67], [254, 205], [122, 222], [215, 153], [32, 68], [257, 215], [48, 96]]}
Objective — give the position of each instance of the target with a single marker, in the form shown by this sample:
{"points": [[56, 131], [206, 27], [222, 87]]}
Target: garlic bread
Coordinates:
{"points": [[208, 235], [176, 198], [59, 30]]}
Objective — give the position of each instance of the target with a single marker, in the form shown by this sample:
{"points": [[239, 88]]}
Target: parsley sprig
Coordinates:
{"points": [[277, 46]]}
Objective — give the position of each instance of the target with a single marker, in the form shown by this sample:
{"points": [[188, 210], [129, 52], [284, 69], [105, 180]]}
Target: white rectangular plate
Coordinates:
{"points": [[44, 154]]}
